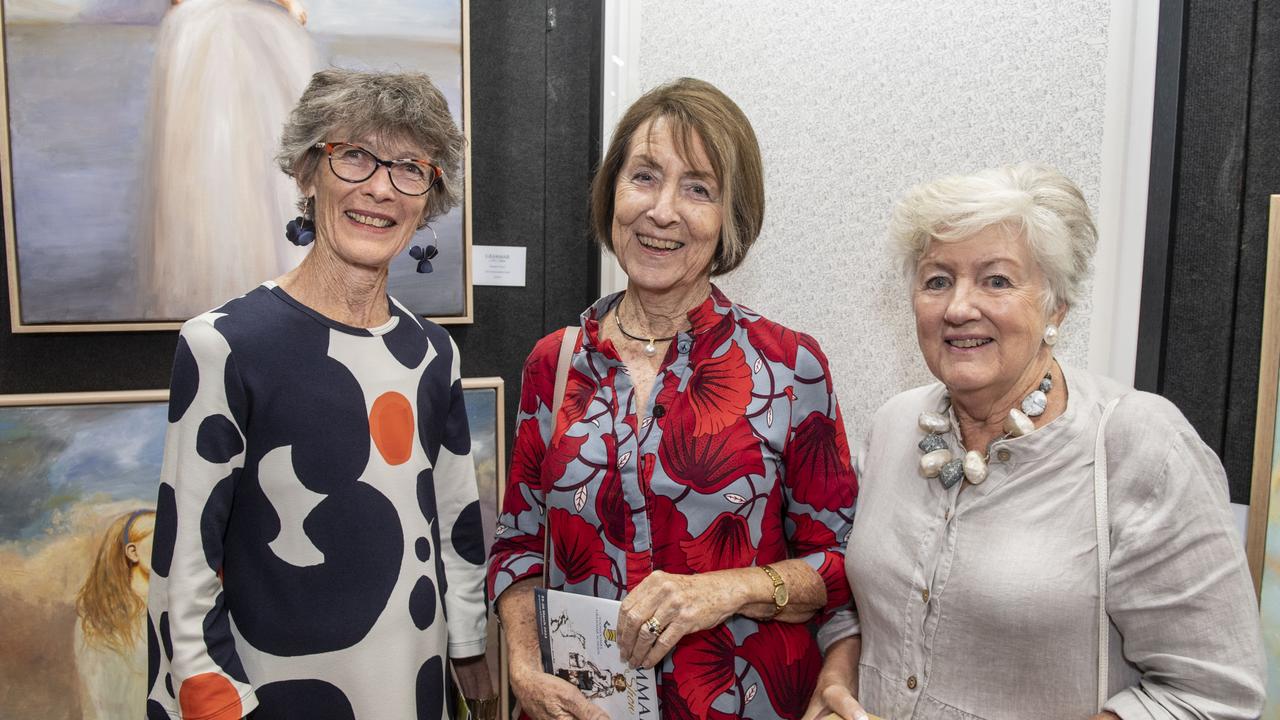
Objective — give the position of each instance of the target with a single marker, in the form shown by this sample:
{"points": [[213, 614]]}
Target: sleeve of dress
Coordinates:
{"points": [[1178, 587], [203, 457], [819, 484], [518, 548], [461, 535]]}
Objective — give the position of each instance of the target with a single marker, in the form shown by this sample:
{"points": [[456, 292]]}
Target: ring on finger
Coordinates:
{"points": [[653, 626]]}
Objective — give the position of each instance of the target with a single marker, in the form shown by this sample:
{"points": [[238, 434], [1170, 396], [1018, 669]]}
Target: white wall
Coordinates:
{"points": [[853, 102]]}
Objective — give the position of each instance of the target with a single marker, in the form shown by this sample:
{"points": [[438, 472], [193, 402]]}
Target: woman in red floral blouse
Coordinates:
{"points": [[698, 469]]}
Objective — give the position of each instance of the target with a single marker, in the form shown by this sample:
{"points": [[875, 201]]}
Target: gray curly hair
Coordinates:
{"points": [[404, 106]]}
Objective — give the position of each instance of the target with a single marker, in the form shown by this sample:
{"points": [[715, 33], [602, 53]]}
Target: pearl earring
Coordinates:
{"points": [[1050, 334]]}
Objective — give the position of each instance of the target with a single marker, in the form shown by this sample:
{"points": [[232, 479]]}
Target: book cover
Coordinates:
{"points": [[579, 642]]}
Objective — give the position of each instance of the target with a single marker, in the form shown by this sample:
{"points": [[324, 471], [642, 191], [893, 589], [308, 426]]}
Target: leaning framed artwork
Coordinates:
{"points": [[79, 472], [485, 413], [1264, 501], [137, 158]]}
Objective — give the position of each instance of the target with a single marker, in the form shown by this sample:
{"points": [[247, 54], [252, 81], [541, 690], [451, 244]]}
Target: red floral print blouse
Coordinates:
{"points": [[741, 460]]}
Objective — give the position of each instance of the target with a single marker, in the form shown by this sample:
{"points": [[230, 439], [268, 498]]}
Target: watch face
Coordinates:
{"points": [[780, 595]]}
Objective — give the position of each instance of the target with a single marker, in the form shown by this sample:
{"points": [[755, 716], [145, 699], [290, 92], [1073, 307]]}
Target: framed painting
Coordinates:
{"points": [[485, 412], [138, 141], [1263, 544], [79, 472]]}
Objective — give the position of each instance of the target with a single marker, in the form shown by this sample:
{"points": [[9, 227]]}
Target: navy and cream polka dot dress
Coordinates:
{"points": [[318, 550]]}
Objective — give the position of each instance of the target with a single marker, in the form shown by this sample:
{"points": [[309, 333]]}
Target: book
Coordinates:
{"points": [[578, 637]]}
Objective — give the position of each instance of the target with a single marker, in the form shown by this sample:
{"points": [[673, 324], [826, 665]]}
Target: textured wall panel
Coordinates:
{"points": [[531, 149], [854, 102], [1204, 255], [1261, 180]]}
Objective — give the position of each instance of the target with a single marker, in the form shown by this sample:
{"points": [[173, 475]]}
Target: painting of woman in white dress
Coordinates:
{"points": [[141, 187], [226, 73]]}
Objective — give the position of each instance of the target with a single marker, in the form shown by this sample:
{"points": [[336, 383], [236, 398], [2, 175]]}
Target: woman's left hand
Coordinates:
{"points": [[681, 604]]}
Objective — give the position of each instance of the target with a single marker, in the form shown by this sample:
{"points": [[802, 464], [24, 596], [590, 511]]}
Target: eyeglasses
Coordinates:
{"points": [[355, 164]]}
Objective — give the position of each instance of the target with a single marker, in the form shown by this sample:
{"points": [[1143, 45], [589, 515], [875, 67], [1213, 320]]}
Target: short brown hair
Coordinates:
{"points": [[694, 107]]}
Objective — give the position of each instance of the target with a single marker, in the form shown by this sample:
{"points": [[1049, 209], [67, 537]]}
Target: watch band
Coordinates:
{"points": [[778, 582], [481, 708]]}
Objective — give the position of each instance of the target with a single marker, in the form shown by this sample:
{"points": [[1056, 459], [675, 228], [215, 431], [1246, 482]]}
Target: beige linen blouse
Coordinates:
{"points": [[981, 601]]}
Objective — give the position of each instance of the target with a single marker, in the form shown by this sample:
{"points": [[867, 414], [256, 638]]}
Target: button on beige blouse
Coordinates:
{"points": [[981, 601]]}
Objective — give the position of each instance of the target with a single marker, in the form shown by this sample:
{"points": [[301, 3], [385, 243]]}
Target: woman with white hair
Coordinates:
{"points": [[991, 546]]}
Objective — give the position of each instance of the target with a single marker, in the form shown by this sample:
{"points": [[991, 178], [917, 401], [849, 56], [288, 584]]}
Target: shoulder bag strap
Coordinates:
{"points": [[567, 345], [1103, 526]]}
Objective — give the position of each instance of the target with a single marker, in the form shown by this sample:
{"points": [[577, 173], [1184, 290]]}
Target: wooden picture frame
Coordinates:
{"points": [[1263, 533], [96, 238], [478, 393], [72, 465], [73, 468]]}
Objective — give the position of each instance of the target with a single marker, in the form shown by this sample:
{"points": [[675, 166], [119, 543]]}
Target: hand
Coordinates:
{"points": [[296, 10], [473, 677], [834, 701], [681, 604], [838, 683], [547, 697]]}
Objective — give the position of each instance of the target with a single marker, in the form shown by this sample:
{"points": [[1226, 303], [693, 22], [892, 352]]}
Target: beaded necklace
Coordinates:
{"points": [[937, 460]]}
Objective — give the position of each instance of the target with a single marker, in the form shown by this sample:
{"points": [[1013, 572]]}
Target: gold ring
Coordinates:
{"points": [[653, 626]]}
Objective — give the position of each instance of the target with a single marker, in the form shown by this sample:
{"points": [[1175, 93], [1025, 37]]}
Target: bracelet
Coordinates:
{"points": [[481, 708]]}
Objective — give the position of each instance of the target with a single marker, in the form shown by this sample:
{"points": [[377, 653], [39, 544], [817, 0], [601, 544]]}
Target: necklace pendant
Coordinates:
{"points": [[975, 467], [1017, 424], [1034, 404], [950, 473], [650, 349]]}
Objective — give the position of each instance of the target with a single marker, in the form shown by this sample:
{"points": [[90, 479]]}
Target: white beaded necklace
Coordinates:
{"points": [[937, 460]]}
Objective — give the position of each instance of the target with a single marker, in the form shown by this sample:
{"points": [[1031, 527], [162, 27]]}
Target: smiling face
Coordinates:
{"points": [[366, 224], [980, 315], [666, 211]]}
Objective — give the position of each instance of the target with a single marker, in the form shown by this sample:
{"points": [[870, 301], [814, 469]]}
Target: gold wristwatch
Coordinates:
{"points": [[780, 594]]}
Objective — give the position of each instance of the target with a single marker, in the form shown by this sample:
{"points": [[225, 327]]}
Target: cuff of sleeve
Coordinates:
{"points": [[1129, 706], [247, 704], [467, 648], [829, 565], [511, 570], [844, 623]]}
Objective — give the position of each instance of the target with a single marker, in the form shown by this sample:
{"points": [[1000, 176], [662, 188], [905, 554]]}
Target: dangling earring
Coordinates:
{"points": [[424, 254], [1050, 334], [301, 231]]}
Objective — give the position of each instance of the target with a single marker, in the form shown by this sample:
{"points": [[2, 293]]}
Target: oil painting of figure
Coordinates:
{"points": [[143, 136], [78, 487], [77, 492]]}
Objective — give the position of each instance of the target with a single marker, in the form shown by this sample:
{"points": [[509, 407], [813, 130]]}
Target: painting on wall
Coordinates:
{"points": [[78, 478], [1264, 502], [139, 181], [484, 398]]}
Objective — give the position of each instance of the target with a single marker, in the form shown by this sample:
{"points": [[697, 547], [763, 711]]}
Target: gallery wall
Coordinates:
{"points": [[855, 102], [533, 145], [1215, 162]]}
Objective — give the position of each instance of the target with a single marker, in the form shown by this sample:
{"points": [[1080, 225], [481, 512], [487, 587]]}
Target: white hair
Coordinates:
{"points": [[1036, 201]]}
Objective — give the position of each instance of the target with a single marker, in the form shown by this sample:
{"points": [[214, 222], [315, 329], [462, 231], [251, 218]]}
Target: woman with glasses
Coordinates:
{"points": [[318, 550]]}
